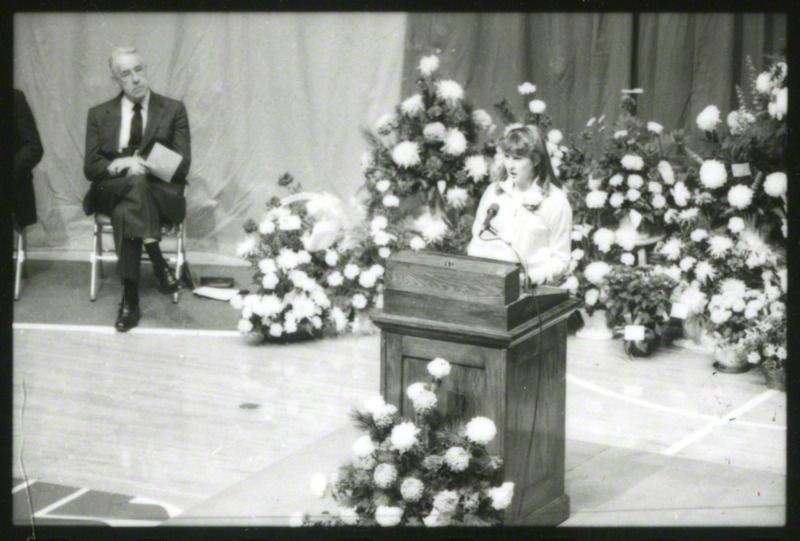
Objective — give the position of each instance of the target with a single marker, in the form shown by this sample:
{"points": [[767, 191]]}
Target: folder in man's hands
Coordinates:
{"points": [[163, 162]]}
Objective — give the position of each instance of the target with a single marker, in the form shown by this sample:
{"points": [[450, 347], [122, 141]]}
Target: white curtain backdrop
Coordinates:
{"points": [[265, 94]]}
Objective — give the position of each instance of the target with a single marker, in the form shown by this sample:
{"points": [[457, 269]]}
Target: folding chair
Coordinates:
{"points": [[102, 226], [20, 242]]}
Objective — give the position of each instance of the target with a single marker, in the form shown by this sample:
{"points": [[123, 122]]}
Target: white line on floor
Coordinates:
{"points": [[22, 486], [102, 329], [77, 494], [116, 522], [725, 419], [652, 405]]}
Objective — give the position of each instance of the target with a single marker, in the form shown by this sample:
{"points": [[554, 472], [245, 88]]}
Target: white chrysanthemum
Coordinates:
{"points": [[476, 167], [267, 265], [672, 248], [385, 123], [413, 106], [740, 196], [428, 64], [445, 501], [404, 436], [276, 329], [247, 246], [733, 287], [335, 279], [719, 317], [626, 238], [411, 489], [367, 280], [694, 299], [718, 245], [627, 259], [436, 519], [635, 181], [269, 281], [384, 415], [753, 357], [270, 305], [687, 263], [705, 271], [351, 270], [482, 119], [382, 238], [319, 484], [373, 404], [439, 368], [666, 172], [713, 174], [577, 254], [681, 194], [594, 183], [633, 195], [385, 475], [537, 107], [267, 227], [555, 136], [435, 131], [736, 224], [417, 243], [390, 201], [245, 326], [775, 184], [632, 162], [388, 516], [596, 199], [432, 228], [339, 318], [384, 252], [303, 257], [698, 234], [424, 401], [415, 390], [603, 238], [591, 297], [708, 118], [331, 258], [457, 197], [237, 302], [287, 259], [406, 154], [616, 200], [616, 180], [654, 187], [779, 107], [450, 91], [455, 143], [457, 458], [689, 214], [764, 82], [571, 284], [481, 430], [501, 496], [359, 301], [526, 88], [659, 201], [596, 271], [655, 127], [619, 134]]}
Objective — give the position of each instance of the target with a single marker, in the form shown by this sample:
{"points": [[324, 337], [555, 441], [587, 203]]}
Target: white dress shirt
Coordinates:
{"points": [[541, 236], [127, 117]]}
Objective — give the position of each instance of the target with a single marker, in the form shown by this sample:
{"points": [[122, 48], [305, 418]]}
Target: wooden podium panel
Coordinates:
{"points": [[511, 369]]}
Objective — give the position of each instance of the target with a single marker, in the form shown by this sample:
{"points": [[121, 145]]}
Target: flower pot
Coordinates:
{"points": [[595, 326], [642, 348], [730, 360], [774, 377]]}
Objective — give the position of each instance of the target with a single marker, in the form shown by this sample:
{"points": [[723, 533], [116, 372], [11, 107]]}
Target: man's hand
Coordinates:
{"points": [[133, 164]]}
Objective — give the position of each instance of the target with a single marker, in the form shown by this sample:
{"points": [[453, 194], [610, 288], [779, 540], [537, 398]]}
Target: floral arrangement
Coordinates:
{"points": [[426, 169], [765, 345], [434, 470]]}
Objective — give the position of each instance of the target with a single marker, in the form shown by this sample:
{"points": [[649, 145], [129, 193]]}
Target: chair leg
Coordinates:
{"points": [[179, 266], [100, 252], [94, 262], [20, 267]]}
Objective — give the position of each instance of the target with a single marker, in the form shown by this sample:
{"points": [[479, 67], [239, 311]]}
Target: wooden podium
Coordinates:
{"points": [[508, 357]]}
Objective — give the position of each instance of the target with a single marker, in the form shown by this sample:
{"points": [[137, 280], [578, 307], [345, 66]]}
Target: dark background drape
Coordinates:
{"points": [[581, 61]]}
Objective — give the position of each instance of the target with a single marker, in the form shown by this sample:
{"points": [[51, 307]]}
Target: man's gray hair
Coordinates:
{"points": [[120, 51]]}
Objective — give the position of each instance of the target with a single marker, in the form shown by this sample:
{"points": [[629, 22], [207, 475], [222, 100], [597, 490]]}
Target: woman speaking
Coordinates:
{"points": [[524, 209]]}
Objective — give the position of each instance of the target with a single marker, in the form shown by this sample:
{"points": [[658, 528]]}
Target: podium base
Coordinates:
{"points": [[552, 514]]}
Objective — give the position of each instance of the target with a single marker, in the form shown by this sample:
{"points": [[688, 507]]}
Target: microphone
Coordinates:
{"points": [[490, 214]]}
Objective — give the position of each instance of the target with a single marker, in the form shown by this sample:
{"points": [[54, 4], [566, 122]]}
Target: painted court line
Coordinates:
{"points": [[116, 522], [77, 494], [691, 438], [102, 329], [22, 486], [652, 405]]}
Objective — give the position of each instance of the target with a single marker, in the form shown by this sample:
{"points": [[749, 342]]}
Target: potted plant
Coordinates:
{"points": [[765, 343], [639, 299]]}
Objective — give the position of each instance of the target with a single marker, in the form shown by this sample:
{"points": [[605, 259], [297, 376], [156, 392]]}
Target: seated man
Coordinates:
{"points": [[119, 134], [27, 153]]}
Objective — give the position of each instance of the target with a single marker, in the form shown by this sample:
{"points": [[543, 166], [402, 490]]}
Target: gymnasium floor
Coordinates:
{"points": [[182, 421]]}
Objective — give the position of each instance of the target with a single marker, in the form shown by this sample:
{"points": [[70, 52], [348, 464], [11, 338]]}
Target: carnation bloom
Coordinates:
{"points": [[775, 184], [655, 127], [501, 496], [577, 254], [428, 64], [359, 301], [681, 194], [439, 368], [367, 280], [413, 106], [449, 91], [457, 458], [626, 238], [404, 436], [659, 201], [596, 271], [390, 201], [385, 475], [632, 162], [335, 279], [713, 174], [740, 196], [435, 131], [635, 181], [603, 238], [654, 187], [616, 200], [616, 180], [455, 143], [526, 88], [633, 195], [383, 185], [406, 154], [411, 489], [384, 252], [708, 118], [537, 107], [596, 199], [481, 430], [388, 516]]}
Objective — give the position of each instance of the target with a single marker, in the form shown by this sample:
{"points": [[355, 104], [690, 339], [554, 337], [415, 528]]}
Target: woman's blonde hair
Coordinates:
{"points": [[527, 142]]}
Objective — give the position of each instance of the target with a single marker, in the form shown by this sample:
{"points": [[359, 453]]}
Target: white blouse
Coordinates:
{"points": [[541, 236]]}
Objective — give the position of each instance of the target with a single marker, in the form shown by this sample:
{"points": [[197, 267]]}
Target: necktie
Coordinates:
{"points": [[136, 128]]}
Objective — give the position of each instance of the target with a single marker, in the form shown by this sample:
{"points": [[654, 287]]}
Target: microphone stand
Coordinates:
{"points": [[526, 282]]}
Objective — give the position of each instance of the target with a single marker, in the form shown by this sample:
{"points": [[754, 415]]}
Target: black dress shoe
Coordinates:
{"points": [[127, 317], [167, 282]]}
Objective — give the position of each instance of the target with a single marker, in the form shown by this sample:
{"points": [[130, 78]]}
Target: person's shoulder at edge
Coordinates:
{"points": [[557, 196]]}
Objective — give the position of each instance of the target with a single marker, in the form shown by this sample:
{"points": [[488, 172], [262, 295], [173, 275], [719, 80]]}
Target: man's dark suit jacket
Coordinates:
{"points": [[167, 123], [28, 152]]}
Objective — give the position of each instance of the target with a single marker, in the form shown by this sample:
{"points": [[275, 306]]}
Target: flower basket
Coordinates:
{"points": [[595, 326], [642, 348], [729, 360]]}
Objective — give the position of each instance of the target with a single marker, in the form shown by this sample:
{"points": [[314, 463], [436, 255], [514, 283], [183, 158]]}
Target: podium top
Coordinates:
{"points": [[461, 263]]}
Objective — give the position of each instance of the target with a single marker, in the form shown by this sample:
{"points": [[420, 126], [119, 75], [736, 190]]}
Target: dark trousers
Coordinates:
{"points": [[138, 207]]}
